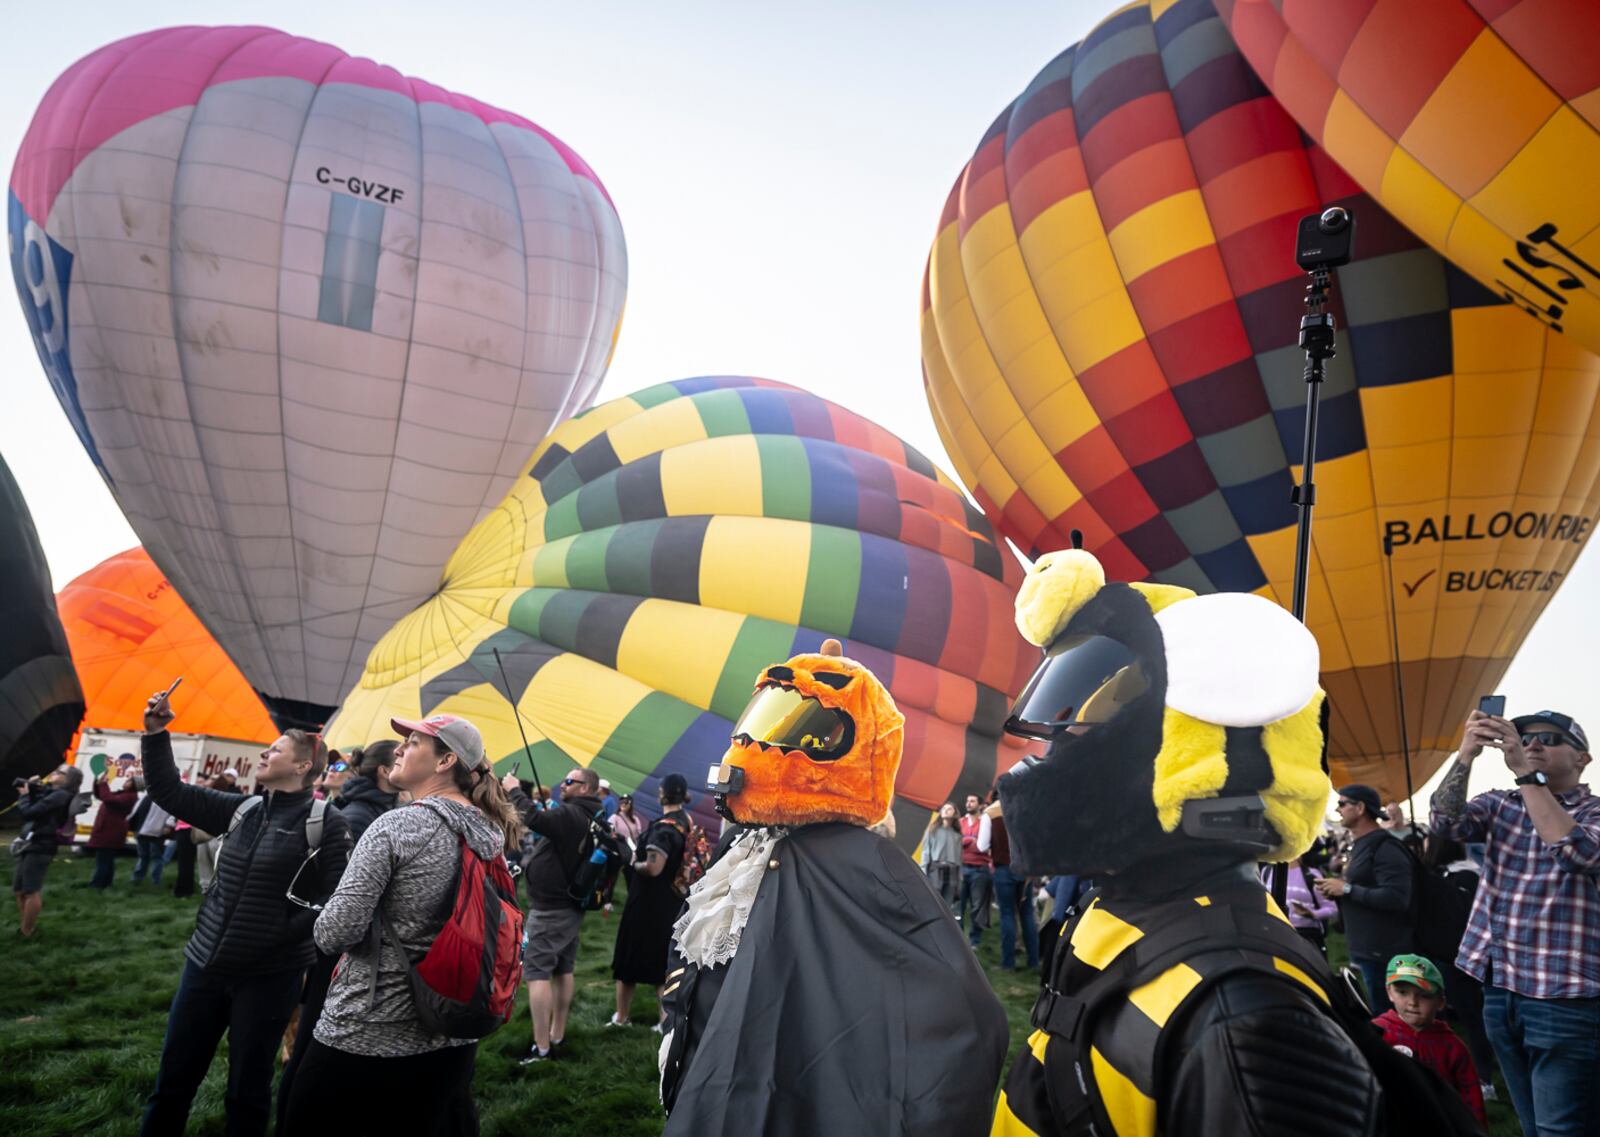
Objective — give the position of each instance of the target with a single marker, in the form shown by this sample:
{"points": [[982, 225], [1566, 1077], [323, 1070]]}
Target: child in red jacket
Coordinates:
{"points": [[1417, 991]]}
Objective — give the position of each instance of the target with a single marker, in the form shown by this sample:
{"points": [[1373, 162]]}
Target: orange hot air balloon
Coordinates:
{"points": [[131, 634], [1475, 122], [1109, 344]]}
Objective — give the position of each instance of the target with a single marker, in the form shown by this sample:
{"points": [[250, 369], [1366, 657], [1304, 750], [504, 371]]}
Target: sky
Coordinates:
{"points": [[779, 171]]}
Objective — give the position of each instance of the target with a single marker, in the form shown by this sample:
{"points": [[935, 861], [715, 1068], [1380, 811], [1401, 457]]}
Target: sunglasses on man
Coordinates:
{"points": [[1546, 738]]}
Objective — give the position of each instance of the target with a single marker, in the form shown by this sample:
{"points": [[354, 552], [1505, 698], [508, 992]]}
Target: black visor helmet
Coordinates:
{"points": [[1083, 681]]}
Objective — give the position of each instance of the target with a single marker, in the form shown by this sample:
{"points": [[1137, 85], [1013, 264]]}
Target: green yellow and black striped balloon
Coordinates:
{"points": [[663, 548]]}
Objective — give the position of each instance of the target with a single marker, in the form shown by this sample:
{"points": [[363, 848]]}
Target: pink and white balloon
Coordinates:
{"points": [[309, 317]]}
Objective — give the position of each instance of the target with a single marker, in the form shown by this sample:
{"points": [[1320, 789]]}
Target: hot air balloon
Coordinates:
{"points": [[131, 634], [667, 546], [1109, 342], [1476, 123], [309, 317], [41, 702]]}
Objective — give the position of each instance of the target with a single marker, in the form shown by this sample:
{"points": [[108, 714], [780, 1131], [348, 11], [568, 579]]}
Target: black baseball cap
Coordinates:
{"points": [[674, 788], [1564, 723], [1368, 797]]}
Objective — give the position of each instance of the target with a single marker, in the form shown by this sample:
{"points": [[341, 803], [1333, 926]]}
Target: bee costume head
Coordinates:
{"points": [[1173, 722]]}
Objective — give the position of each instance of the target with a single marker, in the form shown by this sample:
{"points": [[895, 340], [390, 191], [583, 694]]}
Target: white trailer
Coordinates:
{"points": [[195, 754]]}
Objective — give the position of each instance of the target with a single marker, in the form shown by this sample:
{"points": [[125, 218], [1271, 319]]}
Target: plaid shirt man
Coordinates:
{"points": [[1535, 924]]}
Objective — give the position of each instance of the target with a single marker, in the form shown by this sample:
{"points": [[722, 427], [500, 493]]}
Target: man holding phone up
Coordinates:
{"points": [[245, 963], [1534, 935]]}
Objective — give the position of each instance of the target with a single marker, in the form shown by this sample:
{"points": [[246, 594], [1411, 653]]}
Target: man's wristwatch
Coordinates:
{"points": [[1536, 778]]}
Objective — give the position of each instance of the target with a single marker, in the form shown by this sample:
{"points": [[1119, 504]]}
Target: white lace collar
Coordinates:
{"points": [[708, 932]]}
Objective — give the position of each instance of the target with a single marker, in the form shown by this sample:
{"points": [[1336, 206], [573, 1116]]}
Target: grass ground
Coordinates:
{"points": [[84, 1005]]}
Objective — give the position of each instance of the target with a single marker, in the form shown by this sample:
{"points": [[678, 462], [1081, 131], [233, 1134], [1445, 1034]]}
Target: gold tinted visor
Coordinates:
{"points": [[783, 717]]}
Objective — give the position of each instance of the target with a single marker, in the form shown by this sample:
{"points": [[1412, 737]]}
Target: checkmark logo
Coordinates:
{"points": [[1411, 589]]}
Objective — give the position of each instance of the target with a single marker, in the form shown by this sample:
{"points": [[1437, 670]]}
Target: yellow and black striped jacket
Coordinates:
{"points": [[1127, 971]]}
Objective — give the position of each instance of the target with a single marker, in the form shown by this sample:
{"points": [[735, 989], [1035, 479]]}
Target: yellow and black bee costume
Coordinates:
{"points": [[1185, 743]]}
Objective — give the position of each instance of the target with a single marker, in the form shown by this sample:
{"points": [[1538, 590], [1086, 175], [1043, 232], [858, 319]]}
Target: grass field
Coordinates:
{"points": [[84, 1007]]}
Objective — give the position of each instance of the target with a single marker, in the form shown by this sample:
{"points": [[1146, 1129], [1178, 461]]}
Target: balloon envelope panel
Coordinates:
{"points": [[1475, 122], [1110, 316], [667, 546], [309, 317], [41, 702], [132, 634]]}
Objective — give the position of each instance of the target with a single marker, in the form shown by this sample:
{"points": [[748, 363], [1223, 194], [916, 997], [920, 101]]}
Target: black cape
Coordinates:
{"points": [[853, 1006]]}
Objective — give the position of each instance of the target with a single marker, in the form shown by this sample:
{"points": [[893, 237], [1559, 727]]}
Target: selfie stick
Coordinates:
{"points": [[517, 711], [1317, 340]]}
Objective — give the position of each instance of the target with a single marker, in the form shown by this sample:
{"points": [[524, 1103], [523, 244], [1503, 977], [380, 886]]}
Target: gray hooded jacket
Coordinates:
{"points": [[409, 861]]}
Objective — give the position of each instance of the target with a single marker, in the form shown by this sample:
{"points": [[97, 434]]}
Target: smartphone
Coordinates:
{"points": [[1494, 705], [167, 694]]}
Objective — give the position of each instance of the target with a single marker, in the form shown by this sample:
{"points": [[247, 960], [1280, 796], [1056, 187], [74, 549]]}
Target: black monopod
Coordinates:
{"points": [[1323, 242], [517, 712]]}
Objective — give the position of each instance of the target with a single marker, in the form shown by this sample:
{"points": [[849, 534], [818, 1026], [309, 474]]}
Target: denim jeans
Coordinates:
{"points": [[151, 859], [105, 868], [1549, 1052], [1374, 971], [976, 887], [253, 1011], [1011, 896]]}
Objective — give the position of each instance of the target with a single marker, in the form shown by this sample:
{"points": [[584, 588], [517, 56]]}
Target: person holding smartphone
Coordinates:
{"points": [[109, 836], [1533, 932], [1308, 909], [252, 941], [1375, 895]]}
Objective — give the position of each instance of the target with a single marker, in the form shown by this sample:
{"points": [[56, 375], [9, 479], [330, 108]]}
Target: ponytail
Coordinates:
{"points": [[375, 756], [484, 791]]}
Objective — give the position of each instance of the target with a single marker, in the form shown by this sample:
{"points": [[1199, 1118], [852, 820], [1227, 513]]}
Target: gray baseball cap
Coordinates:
{"points": [[1564, 723], [457, 734]]}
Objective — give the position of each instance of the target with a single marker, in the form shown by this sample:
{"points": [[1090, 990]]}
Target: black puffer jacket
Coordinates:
{"points": [[246, 923], [362, 803]]}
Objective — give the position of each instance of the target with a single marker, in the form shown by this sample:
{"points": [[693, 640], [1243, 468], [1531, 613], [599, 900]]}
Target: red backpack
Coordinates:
{"points": [[466, 984]]}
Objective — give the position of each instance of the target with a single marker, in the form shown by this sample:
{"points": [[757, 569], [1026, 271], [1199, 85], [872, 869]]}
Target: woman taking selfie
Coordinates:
{"points": [[403, 874]]}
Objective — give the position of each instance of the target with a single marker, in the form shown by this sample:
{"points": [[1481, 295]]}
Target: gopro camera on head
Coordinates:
{"points": [[1326, 239]]}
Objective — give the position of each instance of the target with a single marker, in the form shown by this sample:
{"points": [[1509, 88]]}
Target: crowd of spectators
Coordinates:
{"points": [[1487, 920]]}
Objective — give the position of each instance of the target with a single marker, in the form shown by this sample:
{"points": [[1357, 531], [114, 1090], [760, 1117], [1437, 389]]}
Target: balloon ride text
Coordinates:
{"points": [[1529, 525]]}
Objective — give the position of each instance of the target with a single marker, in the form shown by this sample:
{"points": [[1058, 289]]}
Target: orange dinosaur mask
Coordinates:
{"points": [[819, 741]]}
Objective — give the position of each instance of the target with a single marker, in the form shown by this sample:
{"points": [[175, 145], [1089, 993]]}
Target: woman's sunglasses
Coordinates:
{"points": [[294, 898], [338, 767]]}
